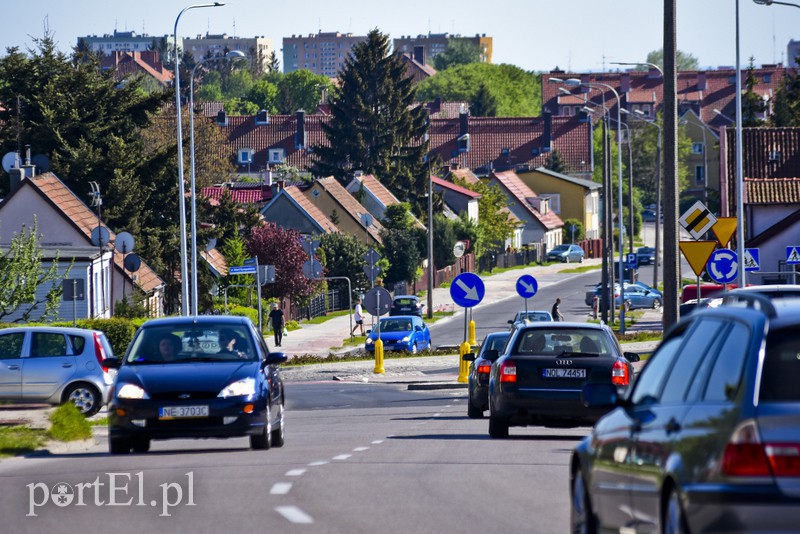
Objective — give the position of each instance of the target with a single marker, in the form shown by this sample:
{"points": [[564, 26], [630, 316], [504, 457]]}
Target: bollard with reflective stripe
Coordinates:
{"points": [[379, 357], [463, 367]]}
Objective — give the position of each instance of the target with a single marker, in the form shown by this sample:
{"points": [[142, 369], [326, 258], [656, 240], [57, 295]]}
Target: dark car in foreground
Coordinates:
{"points": [[400, 333], [539, 378], [406, 305], [479, 370], [708, 438], [50, 364], [197, 377]]}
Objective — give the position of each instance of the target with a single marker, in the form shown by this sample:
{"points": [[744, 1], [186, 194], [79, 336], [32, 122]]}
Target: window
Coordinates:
{"points": [[698, 343], [767, 78], [700, 174], [647, 387], [46, 344], [726, 373], [775, 156], [698, 148], [11, 346], [781, 367]]}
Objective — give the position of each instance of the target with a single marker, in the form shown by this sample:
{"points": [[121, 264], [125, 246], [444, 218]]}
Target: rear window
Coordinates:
{"points": [[560, 341], [404, 302], [781, 374]]}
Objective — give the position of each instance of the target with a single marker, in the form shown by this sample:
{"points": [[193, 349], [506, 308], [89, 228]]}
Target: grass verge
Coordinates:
{"points": [[69, 424], [581, 269], [18, 440]]}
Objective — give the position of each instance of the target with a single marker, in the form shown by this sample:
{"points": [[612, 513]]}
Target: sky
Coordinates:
{"points": [[535, 35]]}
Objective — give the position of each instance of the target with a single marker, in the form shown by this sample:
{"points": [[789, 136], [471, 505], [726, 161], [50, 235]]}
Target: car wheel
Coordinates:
{"points": [[261, 441], [414, 349], [674, 521], [498, 426], [580, 259], [277, 433], [581, 517], [627, 305], [472, 411], [656, 304], [85, 397], [119, 445], [141, 445]]}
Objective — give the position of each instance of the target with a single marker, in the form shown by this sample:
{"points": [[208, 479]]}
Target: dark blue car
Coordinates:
{"points": [[196, 377], [479, 371], [400, 333]]}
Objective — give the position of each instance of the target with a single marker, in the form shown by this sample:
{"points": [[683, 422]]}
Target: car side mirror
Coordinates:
{"points": [[111, 363], [510, 322], [369, 332], [469, 357], [275, 358], [491, 354], [418, 328], [631, 356]]}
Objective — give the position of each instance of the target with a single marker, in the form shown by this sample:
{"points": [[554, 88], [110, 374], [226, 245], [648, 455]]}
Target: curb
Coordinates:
{"points": [[436, 385]]}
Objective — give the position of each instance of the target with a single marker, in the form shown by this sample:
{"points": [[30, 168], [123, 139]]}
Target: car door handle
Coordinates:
{"points": [[672, 426], [66, 365], [13, 367]]}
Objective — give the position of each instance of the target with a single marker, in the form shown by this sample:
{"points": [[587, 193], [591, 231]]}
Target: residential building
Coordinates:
{"points": [[793, 53], [322, 53], [374, 196], [569, 197], [771, 200], [703, 161], [426, 47], [122, 42], [257, 49], [458, 198], [342, 208], [290, 208], [415, 69], [146, 63]]}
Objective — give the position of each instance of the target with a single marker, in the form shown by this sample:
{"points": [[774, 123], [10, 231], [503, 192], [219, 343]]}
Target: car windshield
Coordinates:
{"points": [[534, 316], [494, 343], [395, 325], [405, 302], [191, 343], [563, 340], [560, 248]]}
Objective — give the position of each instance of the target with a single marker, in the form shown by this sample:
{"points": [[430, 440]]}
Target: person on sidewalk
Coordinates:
{"points": [[276, 318], [358, 317], [555, 312]]}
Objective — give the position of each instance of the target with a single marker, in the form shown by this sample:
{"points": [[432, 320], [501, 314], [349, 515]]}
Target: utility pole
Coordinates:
{"points": [[671, 266]]}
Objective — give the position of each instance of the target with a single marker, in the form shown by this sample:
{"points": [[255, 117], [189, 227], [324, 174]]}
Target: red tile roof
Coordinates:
{"points": [[456, 188], [309, 207], [348, 202], [242, 195], [380, 191], [146, 62], [215, 258], [521, 193]]}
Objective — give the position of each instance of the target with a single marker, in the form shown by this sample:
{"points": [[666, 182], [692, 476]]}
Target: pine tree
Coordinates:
{"points": [[484, 104], [786, 109], [375, 126], [556, 163], [752, 105]]}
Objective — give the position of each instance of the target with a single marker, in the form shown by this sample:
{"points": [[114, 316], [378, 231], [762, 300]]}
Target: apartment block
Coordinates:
{"points": [[322, 53], [210, 45], [434, 44], [120, 42]]}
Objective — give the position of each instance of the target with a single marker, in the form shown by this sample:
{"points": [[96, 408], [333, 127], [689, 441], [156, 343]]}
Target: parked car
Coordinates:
{"points": [[635, 297], [646, 255], [400, 332], [479, 369], [773, 291], [708, 438], [565, 253], [46, 364], [406, 305], [597, 292], [531, 316], [691, 306], [539, 377], [648, 215], [197, 377]]}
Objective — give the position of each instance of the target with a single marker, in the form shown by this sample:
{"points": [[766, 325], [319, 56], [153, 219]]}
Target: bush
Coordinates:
{"points": [[119, 331], [69, 424]]}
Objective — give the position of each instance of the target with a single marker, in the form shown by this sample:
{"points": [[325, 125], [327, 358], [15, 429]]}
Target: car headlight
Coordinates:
{"points": [[240, 388], [131, 391], [405, 339], [370, 341]]}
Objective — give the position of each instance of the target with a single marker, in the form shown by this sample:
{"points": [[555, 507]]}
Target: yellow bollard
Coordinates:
{"points": [[463, 367], [471, 333], [379, 357]]}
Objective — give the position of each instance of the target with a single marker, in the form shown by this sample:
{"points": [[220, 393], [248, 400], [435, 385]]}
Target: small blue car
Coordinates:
{"points": [[400, 332]]}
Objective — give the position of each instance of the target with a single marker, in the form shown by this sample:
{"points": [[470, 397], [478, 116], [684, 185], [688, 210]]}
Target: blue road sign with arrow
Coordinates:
{"points": [[467, 290], [722, 266], [527, 286]]}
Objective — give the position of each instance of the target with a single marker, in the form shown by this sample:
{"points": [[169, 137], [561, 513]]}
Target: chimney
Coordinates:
{"points": [[17, 175], [546, 131], [419, 54], [463, 122], [300, 134], [222, 118], [276, 187], [701, 81], [624, 83]]}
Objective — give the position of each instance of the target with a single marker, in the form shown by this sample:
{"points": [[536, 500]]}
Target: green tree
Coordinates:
{"points": [[494, 225], [21, 275], [567, 234], [344, 256], [786, 109], [683, 60], [273, 63], [403, 243], [556, 163], [301, 89], [374, 126], [752, 104], [234, 249], [517, 93], [458, 52], [444, 237], [264, 95], [483, 104]]}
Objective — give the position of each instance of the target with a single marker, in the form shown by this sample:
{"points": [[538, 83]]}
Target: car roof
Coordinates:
{"points": [[62, 329], [198, 319], [563, 325], [392, 317], [406, 297]]}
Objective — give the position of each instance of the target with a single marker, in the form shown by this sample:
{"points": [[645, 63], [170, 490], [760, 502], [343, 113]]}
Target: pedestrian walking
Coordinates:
{"points": [[555, 312], [358, 317], [276, 318]]}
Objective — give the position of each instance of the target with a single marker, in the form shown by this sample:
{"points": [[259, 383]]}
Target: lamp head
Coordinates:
{"points": [[572, 82], [624, 111], [565, 90], [587, 109], [555, 80], [763, 2], [235, 54]]}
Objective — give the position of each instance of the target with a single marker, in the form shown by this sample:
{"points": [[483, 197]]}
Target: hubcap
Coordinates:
{"points": [[83, 399]]}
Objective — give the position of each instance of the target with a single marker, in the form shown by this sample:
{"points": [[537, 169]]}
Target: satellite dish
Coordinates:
{"points": [[124, 243], [10, 161], [42, 162], [211, 244], [132, 262], [366, 219], [100, 236]]}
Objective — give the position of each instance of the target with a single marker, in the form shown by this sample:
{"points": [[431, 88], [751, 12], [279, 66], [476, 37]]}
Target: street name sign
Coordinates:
{"points": [[242, 269]]}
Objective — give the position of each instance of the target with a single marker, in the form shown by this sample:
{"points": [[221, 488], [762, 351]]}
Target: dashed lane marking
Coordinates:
{"points": [[342, 457], [318, 463], [280, 488], [294, 514], [295, 472], [360, 449], [377, 442]]}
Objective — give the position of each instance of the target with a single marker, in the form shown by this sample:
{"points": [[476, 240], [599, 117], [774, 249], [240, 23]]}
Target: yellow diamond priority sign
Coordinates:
{"points": [[697, 253], [698, 220]]}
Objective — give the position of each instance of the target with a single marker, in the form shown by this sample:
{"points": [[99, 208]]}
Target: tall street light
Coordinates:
{"points": [[770, 2], [232, 55], [640, 116], [575, 82], [181, 191]]}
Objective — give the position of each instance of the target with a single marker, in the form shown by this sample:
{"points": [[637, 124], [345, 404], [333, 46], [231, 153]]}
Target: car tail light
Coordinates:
{"points": [[508, 372], [745, 455], [619, 374], [484, 368], [784, 459], [99, 351]]}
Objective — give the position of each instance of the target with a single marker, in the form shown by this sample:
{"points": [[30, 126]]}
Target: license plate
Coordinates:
{"points": [[564, 373], [182, 412]]}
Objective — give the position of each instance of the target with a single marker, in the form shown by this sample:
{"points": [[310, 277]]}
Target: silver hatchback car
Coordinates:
{"points": [[54, 365]]}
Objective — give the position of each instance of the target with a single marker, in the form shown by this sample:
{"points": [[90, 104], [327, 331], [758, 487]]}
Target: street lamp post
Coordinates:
{"points": [[770, 2], [232, 55], [181, 191]]}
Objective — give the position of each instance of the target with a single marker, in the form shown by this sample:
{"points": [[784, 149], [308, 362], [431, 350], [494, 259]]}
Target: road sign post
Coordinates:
{"points": [[467, 290], [527, 286]]}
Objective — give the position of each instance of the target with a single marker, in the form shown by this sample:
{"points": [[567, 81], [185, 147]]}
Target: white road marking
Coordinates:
{"points": [[437, 414], [295, 472], [294, 514], [360, 449], [318, 462], [342, 457], [280, 488], [377, 442]]}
